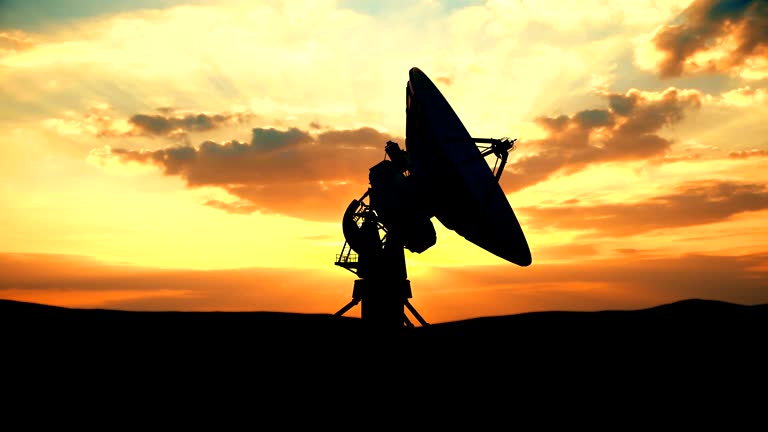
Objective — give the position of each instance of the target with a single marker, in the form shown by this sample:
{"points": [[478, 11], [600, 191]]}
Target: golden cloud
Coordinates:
{"points": [[712, 36], [12, 41], [743, 154], [692, 203], [744, 97], [627, 130], [290, 172]]}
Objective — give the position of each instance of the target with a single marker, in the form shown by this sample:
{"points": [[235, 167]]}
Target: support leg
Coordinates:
{"points": [[415, 314], [349, 306], [406, 321]]}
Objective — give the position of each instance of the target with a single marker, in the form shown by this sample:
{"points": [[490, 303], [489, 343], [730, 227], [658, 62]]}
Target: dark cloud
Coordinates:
{"points": [[593, 118], [621, 104], [743, 154], [689, 204], [289, 172], [353, 138], [708, 23], [628, 130], [168, 124], [99, 121]]}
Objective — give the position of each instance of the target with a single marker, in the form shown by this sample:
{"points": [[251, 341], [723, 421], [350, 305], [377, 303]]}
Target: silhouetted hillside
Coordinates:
{"points": [[721, 339], [691, 323]]}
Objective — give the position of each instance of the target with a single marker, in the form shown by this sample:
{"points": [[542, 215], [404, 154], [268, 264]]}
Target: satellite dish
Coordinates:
{"points": [[441, 173], [465, 193]]}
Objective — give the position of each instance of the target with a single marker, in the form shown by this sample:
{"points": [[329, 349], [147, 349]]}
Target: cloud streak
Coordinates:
{"points": [[14, 41], [441, 294], [170, 125], [743, 154], [167, 122], [600, 284], [79, 281], [692, 203]]}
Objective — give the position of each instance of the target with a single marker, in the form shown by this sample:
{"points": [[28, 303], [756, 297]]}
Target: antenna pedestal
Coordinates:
{"points": [[382, 301], [382, 286]]}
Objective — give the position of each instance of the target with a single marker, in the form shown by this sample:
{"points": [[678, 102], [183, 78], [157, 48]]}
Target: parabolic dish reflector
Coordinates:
{"points": [[458, 185]]}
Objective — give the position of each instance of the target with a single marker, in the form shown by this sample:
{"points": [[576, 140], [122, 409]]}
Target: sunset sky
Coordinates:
{"points": [[199, 155]]}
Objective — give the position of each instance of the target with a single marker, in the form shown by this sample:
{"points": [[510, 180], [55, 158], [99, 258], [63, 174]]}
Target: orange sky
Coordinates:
{"points": [[171, 156]]}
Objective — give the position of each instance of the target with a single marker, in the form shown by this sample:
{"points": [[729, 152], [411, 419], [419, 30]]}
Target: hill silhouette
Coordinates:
{"points": [[685, 347], [693, 324]]}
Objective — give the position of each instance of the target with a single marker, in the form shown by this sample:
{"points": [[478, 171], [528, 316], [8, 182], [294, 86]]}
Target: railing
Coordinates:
{"points": [[346, 258]]}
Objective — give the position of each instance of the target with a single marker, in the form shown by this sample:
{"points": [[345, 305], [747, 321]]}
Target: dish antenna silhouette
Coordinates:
{"points": [[441, 173]]}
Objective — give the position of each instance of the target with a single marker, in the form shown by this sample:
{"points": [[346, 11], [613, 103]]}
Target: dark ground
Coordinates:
{"points": [[706, 351]]}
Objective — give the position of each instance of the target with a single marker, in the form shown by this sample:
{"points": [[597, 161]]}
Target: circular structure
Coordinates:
{"points": [[452, 176]]}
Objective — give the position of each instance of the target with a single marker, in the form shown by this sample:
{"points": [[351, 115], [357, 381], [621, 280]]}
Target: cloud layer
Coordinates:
{"points": [[601, 284], [290, 172], [627, 130], [712, 36], [312, 174], [689, 204], [13, 41], [167, 122], [441, 294], [78, 281], [743, 154]]}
